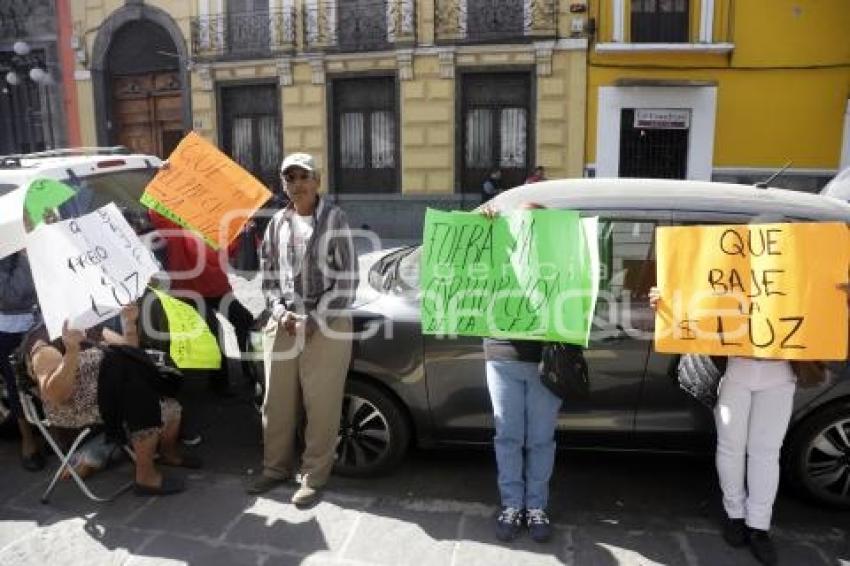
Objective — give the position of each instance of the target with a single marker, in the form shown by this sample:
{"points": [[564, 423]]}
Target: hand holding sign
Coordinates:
{"points": [[24, 208], [765, 291], [509, 276], [205, 191], [71, 337], [87, 269], [43, 196]]}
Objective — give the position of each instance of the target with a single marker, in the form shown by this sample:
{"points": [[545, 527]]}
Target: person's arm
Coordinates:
{"points": [[56, 373], [130, 326], [345, 268]]}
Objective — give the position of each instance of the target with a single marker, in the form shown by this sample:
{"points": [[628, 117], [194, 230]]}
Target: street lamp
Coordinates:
{"points": [[25, 63], [26, 97], [21, 48]]}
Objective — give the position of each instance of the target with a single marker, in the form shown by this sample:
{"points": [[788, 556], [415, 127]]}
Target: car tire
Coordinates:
{"points": [[818, 456], [374, 432]]}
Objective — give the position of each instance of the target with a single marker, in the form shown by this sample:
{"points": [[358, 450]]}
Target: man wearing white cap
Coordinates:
{"points": [[309, 280]]}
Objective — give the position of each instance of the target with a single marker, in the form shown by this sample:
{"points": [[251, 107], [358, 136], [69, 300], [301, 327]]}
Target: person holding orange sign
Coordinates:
{"points": [[756, 298], [752, 414]]}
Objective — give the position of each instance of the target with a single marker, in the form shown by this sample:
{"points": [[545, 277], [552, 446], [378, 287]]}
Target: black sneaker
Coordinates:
{"points": [[538, 525], [762, 547], [735, 533], [508, 524]]}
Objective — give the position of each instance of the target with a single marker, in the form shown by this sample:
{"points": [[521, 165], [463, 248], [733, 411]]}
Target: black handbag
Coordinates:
{"points": [[700, 375], [563, 371]]}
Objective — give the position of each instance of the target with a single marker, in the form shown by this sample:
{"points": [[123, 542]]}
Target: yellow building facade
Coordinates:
{"points": [[404, 103], [719, 89]]}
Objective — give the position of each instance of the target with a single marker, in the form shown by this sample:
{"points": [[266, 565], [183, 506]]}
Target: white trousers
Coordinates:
{"points": [[752, 415]]}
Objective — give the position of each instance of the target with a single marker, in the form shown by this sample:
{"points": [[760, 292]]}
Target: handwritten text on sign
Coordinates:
{"points": [[759, 290], [525, 276], [193, 346], [85, 269], [206, 191]]}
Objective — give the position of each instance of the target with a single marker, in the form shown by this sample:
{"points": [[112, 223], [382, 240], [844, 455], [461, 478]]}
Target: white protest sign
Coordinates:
{"points": [[85, 269], [12, 232]]}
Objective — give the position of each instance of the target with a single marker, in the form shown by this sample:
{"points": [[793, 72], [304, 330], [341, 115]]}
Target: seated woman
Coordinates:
{"points": [[81, 383]]}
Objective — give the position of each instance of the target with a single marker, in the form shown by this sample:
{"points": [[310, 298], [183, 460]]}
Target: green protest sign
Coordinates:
{"points": [[44, 195], [193, 346], [529, 275]]}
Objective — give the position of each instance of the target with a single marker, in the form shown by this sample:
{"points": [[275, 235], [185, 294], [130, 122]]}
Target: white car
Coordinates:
{"points": [[839, 186], [99, 175]]}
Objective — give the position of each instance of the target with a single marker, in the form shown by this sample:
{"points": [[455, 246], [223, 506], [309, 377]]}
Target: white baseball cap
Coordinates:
{"points": [[302, 160]]}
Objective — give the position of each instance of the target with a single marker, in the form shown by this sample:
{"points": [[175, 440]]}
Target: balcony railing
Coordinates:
{"points": [[259, 34], [487, 21], [13, 26], [361, 25]]}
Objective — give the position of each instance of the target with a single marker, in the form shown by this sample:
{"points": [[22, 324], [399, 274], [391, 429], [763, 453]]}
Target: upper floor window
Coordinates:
{"points": [[497, 128], [660, 21], [365, 125]]}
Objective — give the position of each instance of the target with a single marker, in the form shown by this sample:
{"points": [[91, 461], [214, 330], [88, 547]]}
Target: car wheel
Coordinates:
{"points": [[373, 431], [819, 456]]}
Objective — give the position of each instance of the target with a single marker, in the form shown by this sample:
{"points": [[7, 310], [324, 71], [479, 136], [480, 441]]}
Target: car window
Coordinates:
{"points": [[626, 258], [6, 188], [124, 188], [626, 274]]}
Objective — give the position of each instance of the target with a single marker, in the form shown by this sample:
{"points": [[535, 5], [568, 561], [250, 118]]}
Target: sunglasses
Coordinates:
{"points": [[291, 176]]}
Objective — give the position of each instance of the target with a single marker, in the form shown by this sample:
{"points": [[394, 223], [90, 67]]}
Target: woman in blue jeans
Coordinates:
{"points": [[525, 414]]}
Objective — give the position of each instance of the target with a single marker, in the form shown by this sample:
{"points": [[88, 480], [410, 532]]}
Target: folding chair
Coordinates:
{"points": [[28, 394], [33, 416]]}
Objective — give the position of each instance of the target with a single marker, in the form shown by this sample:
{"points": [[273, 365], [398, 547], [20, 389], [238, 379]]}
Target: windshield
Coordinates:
{"points": [[397, 271], [124, 188]]}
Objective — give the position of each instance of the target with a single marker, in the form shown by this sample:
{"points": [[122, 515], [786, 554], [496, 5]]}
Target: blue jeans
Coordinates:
{"points": [[525, 414]]}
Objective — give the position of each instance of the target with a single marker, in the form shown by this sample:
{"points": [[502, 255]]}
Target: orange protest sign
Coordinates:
{"points": [[206, 191], [758, 290]]}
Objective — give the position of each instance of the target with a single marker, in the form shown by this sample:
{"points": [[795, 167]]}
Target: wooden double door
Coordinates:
{"points": [[148, 112]]}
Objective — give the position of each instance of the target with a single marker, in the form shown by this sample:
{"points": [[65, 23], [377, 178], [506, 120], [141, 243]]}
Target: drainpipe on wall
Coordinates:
{"points": [[67, 64]]}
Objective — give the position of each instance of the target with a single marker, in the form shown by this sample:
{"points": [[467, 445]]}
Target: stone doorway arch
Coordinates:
{"points": [[140, 79]]}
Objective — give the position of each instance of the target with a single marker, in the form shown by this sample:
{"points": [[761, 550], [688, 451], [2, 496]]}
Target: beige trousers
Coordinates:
{"points": [[307, 380]]}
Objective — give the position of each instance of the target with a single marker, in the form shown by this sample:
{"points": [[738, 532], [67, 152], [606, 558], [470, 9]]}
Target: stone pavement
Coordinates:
{"points": [[216, 523], [437, 509]]}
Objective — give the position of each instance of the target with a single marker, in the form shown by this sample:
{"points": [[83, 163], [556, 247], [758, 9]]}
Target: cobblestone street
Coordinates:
{"points": [[437, 509]]}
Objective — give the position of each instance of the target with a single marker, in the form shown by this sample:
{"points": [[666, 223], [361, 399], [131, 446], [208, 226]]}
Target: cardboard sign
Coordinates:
{"points": [[86, 269], [205, 191], [44, 195], [192, 345], [530, 275], [758, 290]]}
